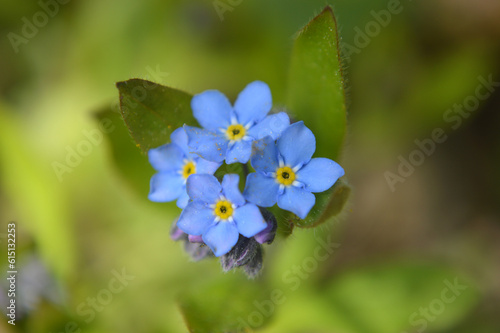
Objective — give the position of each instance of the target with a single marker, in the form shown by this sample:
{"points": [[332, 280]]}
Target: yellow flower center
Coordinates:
{"points": [[236, 132], [188, 169], [285, 176], [223, 209]]}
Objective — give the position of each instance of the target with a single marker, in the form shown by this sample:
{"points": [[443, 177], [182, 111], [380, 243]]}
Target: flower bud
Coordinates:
{"points": [[197, 251], [176, 233], [193, 245], [267, 235], [240, 254], [253, 267], [195, 239]]}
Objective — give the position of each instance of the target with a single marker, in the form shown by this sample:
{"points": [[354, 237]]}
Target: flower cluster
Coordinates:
{"points": [[217, 218]]}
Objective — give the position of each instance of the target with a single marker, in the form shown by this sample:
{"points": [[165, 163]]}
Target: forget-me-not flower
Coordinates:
{"points": [[286, 174], [229, 131], [175, 164], [219, 212]]}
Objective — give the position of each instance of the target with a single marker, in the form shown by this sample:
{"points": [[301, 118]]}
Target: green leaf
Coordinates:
{"points": [[328, 204], [224, 305], [152, 111], [316, 96], [126, 157], [316, 86]]}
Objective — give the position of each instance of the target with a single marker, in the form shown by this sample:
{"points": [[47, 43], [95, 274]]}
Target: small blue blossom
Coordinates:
{"points": [[286, 174], [175, 164], [219, 213], [229, 131]]}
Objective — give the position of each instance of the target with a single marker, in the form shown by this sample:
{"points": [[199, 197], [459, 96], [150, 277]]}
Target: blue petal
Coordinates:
{"points": [[239, 152], [196, 218], [221, 237], [249, 220], [264, 155], [230, 189], [166, 158], [261, 190], [179, 137], [209, 145], [297, 144], [253, 103], [272, 125], [205, 188], [319, 174], [183, 200], [212, 109], [166, 186], [204, 166], [297, 201]]}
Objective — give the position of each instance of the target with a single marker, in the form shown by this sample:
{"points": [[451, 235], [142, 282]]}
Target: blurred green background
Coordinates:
{"points": [[396, 249]]}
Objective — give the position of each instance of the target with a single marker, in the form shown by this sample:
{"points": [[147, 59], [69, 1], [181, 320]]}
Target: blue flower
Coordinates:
{"points": [[286, 173], [219, 212], [175, 164], [229, 131]]}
